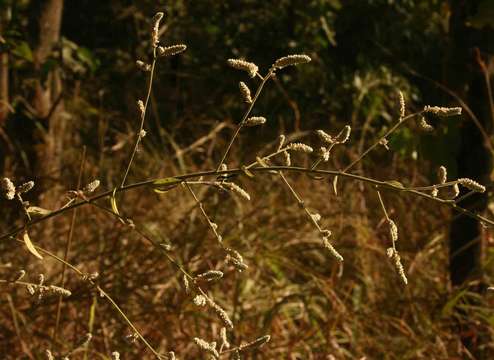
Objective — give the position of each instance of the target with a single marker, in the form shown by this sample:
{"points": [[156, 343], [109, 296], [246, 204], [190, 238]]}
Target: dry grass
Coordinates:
{"points": [[313, 306]]}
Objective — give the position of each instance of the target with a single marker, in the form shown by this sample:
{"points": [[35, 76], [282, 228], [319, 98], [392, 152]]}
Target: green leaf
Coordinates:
{"points": [[23, 51], [161, 186], [395, 184]]}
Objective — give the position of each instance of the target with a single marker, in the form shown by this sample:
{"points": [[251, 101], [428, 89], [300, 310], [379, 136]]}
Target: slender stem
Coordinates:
{"points": [[67, 248], [244, 118], [146, 183], [103, 293], [389, 132], [143, 117]]}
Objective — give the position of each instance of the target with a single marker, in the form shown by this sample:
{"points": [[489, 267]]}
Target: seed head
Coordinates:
{"points": [[199, 300], [156, 28], [442, 111], [291, 60], [325, 137], [243, 65], [9, 188], [331, 249], [424, 125], [171, 50], [442, 174], [143, 66], [25, 187], [245, 92], [300, 147], [471, 185], [402, 105], [255, 120], [393, 230]]}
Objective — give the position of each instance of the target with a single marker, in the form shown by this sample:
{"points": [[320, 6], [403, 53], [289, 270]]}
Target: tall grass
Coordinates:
{"points": [[299, 251]]}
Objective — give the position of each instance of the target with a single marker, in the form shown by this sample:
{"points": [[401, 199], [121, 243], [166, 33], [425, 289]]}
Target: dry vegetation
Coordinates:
{"points": [[240, 261]]}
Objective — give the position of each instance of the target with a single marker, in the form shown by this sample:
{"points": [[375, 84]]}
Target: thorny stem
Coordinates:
{"points": [[244, 118], [381, 184], [143, 117]]}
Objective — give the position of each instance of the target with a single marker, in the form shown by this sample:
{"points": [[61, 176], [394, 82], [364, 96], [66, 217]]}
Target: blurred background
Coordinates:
{"points": [[69, 84]]}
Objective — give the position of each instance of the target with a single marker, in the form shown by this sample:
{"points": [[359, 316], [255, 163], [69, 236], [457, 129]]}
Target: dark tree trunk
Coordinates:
{"points": [[474, 159], [465, 77]]}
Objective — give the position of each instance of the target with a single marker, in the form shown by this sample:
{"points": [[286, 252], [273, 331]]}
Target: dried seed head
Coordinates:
{"points": [[115, 355], [223, 167], [402, 105], [30, 288], [171, 355], [434, 192], [256, 343], [49, 355], [185, 281], [390, 252], [442, 174], [243, 65], [331, 249], [300, 147], [221, 313], [344, 135], [156, 28], [255, 120], [59, 290], [325, 137], [424, 125], [142, 133], [9, 188], [210, 275], [171, 50], [199, 300], [316, 217], [207, 347], [142, 108], [290, 60], [143, 66], [233, 257], [393, 230], [442, 111], [93, 185], [399, 267], [24, 188], [384, 142], [245, 92], [471, 185], [237, 189], [324, 153]]}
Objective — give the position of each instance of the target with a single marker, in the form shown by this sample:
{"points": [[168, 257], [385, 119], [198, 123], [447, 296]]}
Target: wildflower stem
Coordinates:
{"points": [[67, 249], [143, 117], [380, 184], [244, 118]]}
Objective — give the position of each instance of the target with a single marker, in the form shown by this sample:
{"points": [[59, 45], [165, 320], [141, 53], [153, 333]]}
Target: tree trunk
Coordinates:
{"points": [[474, 159], [48, 95]]}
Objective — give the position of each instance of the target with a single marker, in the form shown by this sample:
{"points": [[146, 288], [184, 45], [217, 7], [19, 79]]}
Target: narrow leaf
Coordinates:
{"points": [[161, 186], [30, 245]]}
